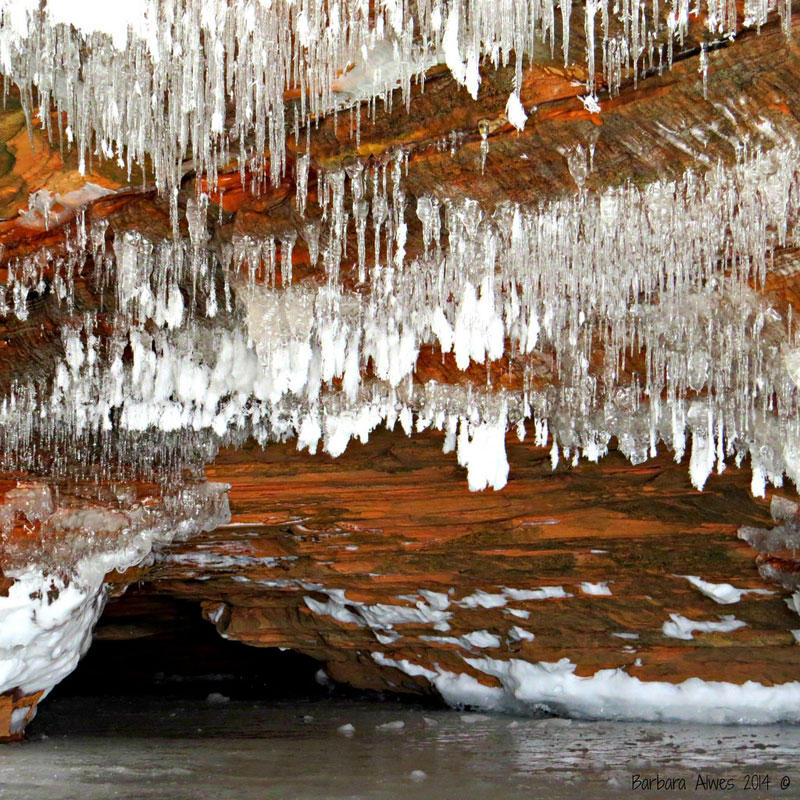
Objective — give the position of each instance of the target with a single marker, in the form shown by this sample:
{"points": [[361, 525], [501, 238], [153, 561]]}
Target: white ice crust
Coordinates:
{"points": [[545, 687], [722, 593], [680, 627], [47, 617]]}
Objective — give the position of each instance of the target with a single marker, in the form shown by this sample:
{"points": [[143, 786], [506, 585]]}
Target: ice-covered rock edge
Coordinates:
{"points": [[50, 610], [610, 694]]}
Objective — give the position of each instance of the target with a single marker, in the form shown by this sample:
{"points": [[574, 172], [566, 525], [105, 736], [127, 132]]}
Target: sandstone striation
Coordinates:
{"points": [[487, 323]]}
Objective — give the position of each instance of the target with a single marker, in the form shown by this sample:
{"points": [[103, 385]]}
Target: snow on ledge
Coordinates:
{"points": [[381, 617], [722, 593], [597, 589], [610, 694], [613, 694], [482, 599], [48, 616], [680, 627]]}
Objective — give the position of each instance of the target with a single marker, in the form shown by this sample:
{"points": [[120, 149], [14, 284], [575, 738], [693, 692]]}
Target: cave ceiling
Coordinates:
{"points": [[358, 322]]}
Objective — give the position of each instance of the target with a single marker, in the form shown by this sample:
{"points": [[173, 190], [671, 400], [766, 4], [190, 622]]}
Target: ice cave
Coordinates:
{"points": [[437, 355]]}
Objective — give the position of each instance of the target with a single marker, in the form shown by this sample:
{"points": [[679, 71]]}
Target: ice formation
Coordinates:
{"points": [[680, 627], [246, 356], [212, 342], [553, 687], [722, 593], [159, 78], [596, 589], [481, 599], [631, 312], [380, 618], [783, 539], [58, 590]]}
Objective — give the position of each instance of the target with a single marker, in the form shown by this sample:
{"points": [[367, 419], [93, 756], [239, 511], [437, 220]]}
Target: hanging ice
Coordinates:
{"points": [[214, 339]]}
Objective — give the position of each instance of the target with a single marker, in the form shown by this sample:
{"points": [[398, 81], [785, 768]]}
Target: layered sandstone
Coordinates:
{"points": [[151, 337]]}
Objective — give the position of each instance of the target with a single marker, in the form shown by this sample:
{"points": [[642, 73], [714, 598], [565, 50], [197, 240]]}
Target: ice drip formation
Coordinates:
{"points": [[242, 228]]}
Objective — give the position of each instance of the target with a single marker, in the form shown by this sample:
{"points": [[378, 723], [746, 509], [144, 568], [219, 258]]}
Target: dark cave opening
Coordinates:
{"points": [[147, 644], [156, 667]]}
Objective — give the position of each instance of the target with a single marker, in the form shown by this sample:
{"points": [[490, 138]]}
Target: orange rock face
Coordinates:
{"points": [[15, 713], [384, 551], [382, 557], [381, 564]]}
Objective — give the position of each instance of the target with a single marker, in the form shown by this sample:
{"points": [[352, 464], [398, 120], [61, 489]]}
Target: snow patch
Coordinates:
{"points": [[380, 618], [520, 634], [615, 695], [515, 112], [611, 694], [722, 593], [481, 639], [680, 627], [598, 589], [542, 593]]}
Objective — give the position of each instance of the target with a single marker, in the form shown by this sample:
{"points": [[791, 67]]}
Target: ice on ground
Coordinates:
{"points": [[394, 725], [473, 718]]}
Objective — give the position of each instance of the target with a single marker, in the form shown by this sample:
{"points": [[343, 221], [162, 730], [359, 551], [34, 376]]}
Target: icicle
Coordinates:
{"points": [[591, 10], [483, 130], [287, 246], [703, 68], [566, 14], [302, 164]]}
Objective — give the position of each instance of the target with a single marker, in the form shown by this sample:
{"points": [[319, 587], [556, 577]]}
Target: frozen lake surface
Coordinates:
{"points": [[99, 748]]}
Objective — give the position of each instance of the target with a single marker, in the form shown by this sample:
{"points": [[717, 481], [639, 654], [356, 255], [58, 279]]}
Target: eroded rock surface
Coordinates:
{"points": [[382, 566], [595, 253]]}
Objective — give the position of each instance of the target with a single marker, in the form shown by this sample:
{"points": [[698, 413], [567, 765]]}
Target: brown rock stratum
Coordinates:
{"points": [[383, 556]]}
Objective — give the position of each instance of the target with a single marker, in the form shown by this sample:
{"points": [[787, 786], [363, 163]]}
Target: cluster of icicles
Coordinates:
{"points": [[163, 78], [223, 344]]}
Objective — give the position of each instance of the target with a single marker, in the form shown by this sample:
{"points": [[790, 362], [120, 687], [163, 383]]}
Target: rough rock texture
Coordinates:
{"points": [[382, 557], [329, 557]]}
